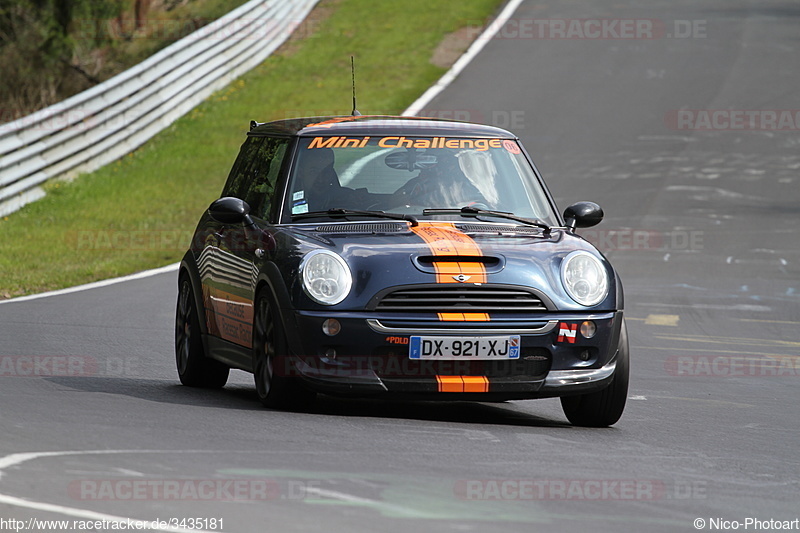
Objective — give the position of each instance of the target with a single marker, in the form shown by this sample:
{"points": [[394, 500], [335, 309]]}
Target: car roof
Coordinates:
{"points": [[376, 125]]}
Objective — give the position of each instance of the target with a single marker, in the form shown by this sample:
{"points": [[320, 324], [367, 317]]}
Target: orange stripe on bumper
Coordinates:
{"points": [[450, 383], [463, 383], [475, 383], [464, 317]]}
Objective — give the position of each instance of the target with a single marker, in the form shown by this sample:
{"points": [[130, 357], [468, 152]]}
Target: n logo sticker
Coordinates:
{"points": [[567, 332]]}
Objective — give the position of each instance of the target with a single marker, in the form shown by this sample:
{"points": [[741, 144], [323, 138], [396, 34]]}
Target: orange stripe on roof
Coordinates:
{"points": [[330, 122]]}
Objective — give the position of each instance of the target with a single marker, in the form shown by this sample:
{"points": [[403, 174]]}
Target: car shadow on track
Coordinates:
{"points": [[243, 397], [505, 414], [235, 396]]}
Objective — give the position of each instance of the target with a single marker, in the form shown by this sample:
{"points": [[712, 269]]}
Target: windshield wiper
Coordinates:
{"points": [[341, 212], [469, 211]]}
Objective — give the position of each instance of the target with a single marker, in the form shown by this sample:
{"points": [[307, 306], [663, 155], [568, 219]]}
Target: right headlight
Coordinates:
{"points": [[326, 277], [584, 278]]}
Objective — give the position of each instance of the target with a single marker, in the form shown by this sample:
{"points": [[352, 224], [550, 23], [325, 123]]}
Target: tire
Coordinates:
{"points": [[194, 368], [603, 408], [271, 353]]}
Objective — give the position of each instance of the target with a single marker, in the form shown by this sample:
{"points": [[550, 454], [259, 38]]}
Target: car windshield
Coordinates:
{"points": [[411, 174]]}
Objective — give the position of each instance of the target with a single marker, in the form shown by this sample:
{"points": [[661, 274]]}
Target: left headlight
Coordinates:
{"points": [[326, 277], [584, 278]]}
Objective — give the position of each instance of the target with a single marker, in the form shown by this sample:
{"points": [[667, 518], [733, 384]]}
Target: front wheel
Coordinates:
{"points": [[271, 362], [603, 408], [194, 368]]}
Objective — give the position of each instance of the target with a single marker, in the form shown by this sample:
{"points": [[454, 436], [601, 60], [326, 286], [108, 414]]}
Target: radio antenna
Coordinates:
{"points": [[355, 112]]}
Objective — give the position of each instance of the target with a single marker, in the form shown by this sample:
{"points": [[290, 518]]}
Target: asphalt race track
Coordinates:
{"points": [[702, 217]]}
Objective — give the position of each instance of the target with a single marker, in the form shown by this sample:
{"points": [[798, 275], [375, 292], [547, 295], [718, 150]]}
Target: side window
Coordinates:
{"points": [[237, 179], [255, 173]]}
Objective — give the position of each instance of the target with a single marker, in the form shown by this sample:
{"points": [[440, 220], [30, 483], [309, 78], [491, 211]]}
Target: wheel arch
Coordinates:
{"points": [[271, 279], [188, 268]]}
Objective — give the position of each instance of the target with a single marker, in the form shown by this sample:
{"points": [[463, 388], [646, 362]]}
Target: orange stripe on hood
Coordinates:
{"points": [[444, 239]]}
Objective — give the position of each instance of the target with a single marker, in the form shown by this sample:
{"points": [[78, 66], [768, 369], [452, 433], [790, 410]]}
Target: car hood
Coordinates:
{"points": [[385, 255]]}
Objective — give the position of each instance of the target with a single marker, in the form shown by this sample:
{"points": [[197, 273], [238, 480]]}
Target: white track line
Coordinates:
{"points": [[16, 459], [477, 45], [358, 500], [95, 285], [448, 78]]}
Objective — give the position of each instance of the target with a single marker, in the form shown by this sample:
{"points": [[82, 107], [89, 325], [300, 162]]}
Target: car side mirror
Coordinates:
{"points": [[583, 215], [230, 210]]}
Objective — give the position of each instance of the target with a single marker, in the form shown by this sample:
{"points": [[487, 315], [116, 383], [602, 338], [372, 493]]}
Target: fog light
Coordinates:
{"points": [[585, 355], [331, 327], [330, 353], [588, 329]]}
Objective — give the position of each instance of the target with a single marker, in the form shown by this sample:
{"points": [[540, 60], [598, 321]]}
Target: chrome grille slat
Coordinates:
{"points": [[472, 299]]}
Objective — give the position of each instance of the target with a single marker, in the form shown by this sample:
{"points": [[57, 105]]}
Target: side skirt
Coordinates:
{"points": [[231, 354]]}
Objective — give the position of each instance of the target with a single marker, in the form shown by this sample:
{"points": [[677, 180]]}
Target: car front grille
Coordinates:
{"points": [[460, 298]]}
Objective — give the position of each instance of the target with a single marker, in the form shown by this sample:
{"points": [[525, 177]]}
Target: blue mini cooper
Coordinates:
{"points": [[399, 257]]}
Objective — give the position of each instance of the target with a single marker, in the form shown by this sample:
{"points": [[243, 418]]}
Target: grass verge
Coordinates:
{"points": [[139, 212]]}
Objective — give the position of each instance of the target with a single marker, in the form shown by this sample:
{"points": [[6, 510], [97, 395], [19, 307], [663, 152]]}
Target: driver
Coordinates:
{"points": [[441, 185], [317, 186]]}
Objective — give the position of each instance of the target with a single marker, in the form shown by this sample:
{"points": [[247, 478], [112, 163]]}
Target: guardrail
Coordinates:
{"points": [[97, 126]]}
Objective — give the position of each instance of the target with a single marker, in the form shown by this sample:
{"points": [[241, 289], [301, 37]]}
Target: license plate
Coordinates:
{"points": [[461, 348]]}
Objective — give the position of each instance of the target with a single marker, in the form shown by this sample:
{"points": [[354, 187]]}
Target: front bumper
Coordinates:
{"points": [[369, 356]]}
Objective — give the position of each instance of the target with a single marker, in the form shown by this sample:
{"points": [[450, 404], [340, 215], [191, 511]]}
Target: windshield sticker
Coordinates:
{"points": [[300, 207], [481, 145], [512, 147], [299, 195]]}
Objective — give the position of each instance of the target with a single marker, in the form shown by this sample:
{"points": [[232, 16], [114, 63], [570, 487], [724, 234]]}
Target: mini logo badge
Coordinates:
{"points": [[461, 278]]}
